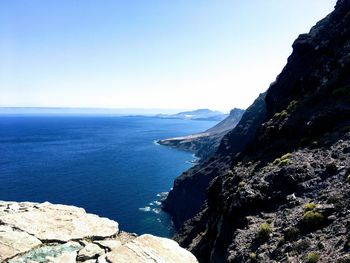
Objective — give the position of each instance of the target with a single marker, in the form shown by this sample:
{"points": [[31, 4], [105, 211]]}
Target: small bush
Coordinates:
{"points": [[292, 105], [310, 207], [277, 161], [286, 156], [264, 231], [312, 257], [242, 184], [283, 160], [252, 257], [313, 219], [281, 115]]}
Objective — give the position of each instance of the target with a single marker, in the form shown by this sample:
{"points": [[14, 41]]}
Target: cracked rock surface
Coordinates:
{"points": [[33, 232]]}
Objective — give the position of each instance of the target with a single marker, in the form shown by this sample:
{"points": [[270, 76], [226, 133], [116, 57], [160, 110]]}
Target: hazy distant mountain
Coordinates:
{"points": [[200, 114], [81, 111], [205, 143]]}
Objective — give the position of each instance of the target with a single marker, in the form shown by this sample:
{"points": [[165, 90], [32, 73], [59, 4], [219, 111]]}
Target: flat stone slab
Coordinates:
{"points": [[148, 248], [37, 233], [90, 251], [59, 253], [59, 222], [13, 242]]}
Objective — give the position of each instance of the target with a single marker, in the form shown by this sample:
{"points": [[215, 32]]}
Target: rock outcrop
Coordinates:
{"points": [[279, 182], [204, 144], [33, 232]]}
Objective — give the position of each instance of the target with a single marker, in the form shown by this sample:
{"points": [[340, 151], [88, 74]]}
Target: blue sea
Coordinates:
{"points": [[108, 165]]}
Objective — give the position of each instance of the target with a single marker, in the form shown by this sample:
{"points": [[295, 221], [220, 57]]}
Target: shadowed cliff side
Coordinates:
{"points": [[189, 191]]}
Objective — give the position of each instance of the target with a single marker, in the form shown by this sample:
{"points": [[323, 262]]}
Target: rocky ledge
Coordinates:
{"points": [[43, 232]]}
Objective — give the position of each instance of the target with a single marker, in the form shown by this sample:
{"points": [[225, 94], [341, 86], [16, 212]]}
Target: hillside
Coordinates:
{"points": [[204, 144], [278, 186]]}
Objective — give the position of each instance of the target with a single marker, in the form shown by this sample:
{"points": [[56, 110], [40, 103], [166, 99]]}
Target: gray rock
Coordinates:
{"points": [[60, 222], [13, 242], [148, 248], [90, 251]]}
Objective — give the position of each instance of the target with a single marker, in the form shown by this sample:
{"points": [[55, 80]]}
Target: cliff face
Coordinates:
{"points": [[281, 194], [32, 232], [204, 144], [189, 192]]}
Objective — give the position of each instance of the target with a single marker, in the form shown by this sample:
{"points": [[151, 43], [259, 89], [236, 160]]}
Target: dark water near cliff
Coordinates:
{"points": [[108, 165]]}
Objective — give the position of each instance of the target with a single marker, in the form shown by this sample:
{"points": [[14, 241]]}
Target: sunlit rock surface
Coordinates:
{"points": [[33, 232]]}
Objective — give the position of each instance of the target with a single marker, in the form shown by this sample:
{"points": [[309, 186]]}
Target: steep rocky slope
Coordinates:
{"points": [[189, 191], [32, 232], [280, 192], [204, 144]]}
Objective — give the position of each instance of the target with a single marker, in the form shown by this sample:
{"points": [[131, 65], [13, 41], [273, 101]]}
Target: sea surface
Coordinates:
{"points": [[108, 165]]}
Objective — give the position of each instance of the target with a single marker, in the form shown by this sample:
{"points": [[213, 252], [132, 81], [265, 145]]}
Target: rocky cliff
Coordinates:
{"points": [[32, 232], [189, 191], [204, 144], [279, 183]]}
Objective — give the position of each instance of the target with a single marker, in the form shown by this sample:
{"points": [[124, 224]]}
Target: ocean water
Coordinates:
{"points": [[108, 165]]}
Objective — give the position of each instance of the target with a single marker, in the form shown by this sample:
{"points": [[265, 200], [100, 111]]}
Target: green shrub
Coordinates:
{"points": [[312, 257], [310, 207], [313, 219], [348, 179], [277, 161], [242, 184], [281, 115], [286, 156], [292, 105], [253, 257], [283, 160], [264, 231]]}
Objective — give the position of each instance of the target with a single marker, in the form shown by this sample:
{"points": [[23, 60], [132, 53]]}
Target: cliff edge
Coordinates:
{"points": [[34, 232]]}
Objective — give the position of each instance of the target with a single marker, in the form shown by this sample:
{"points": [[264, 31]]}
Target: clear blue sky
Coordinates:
{"points": [[180, 54]]}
